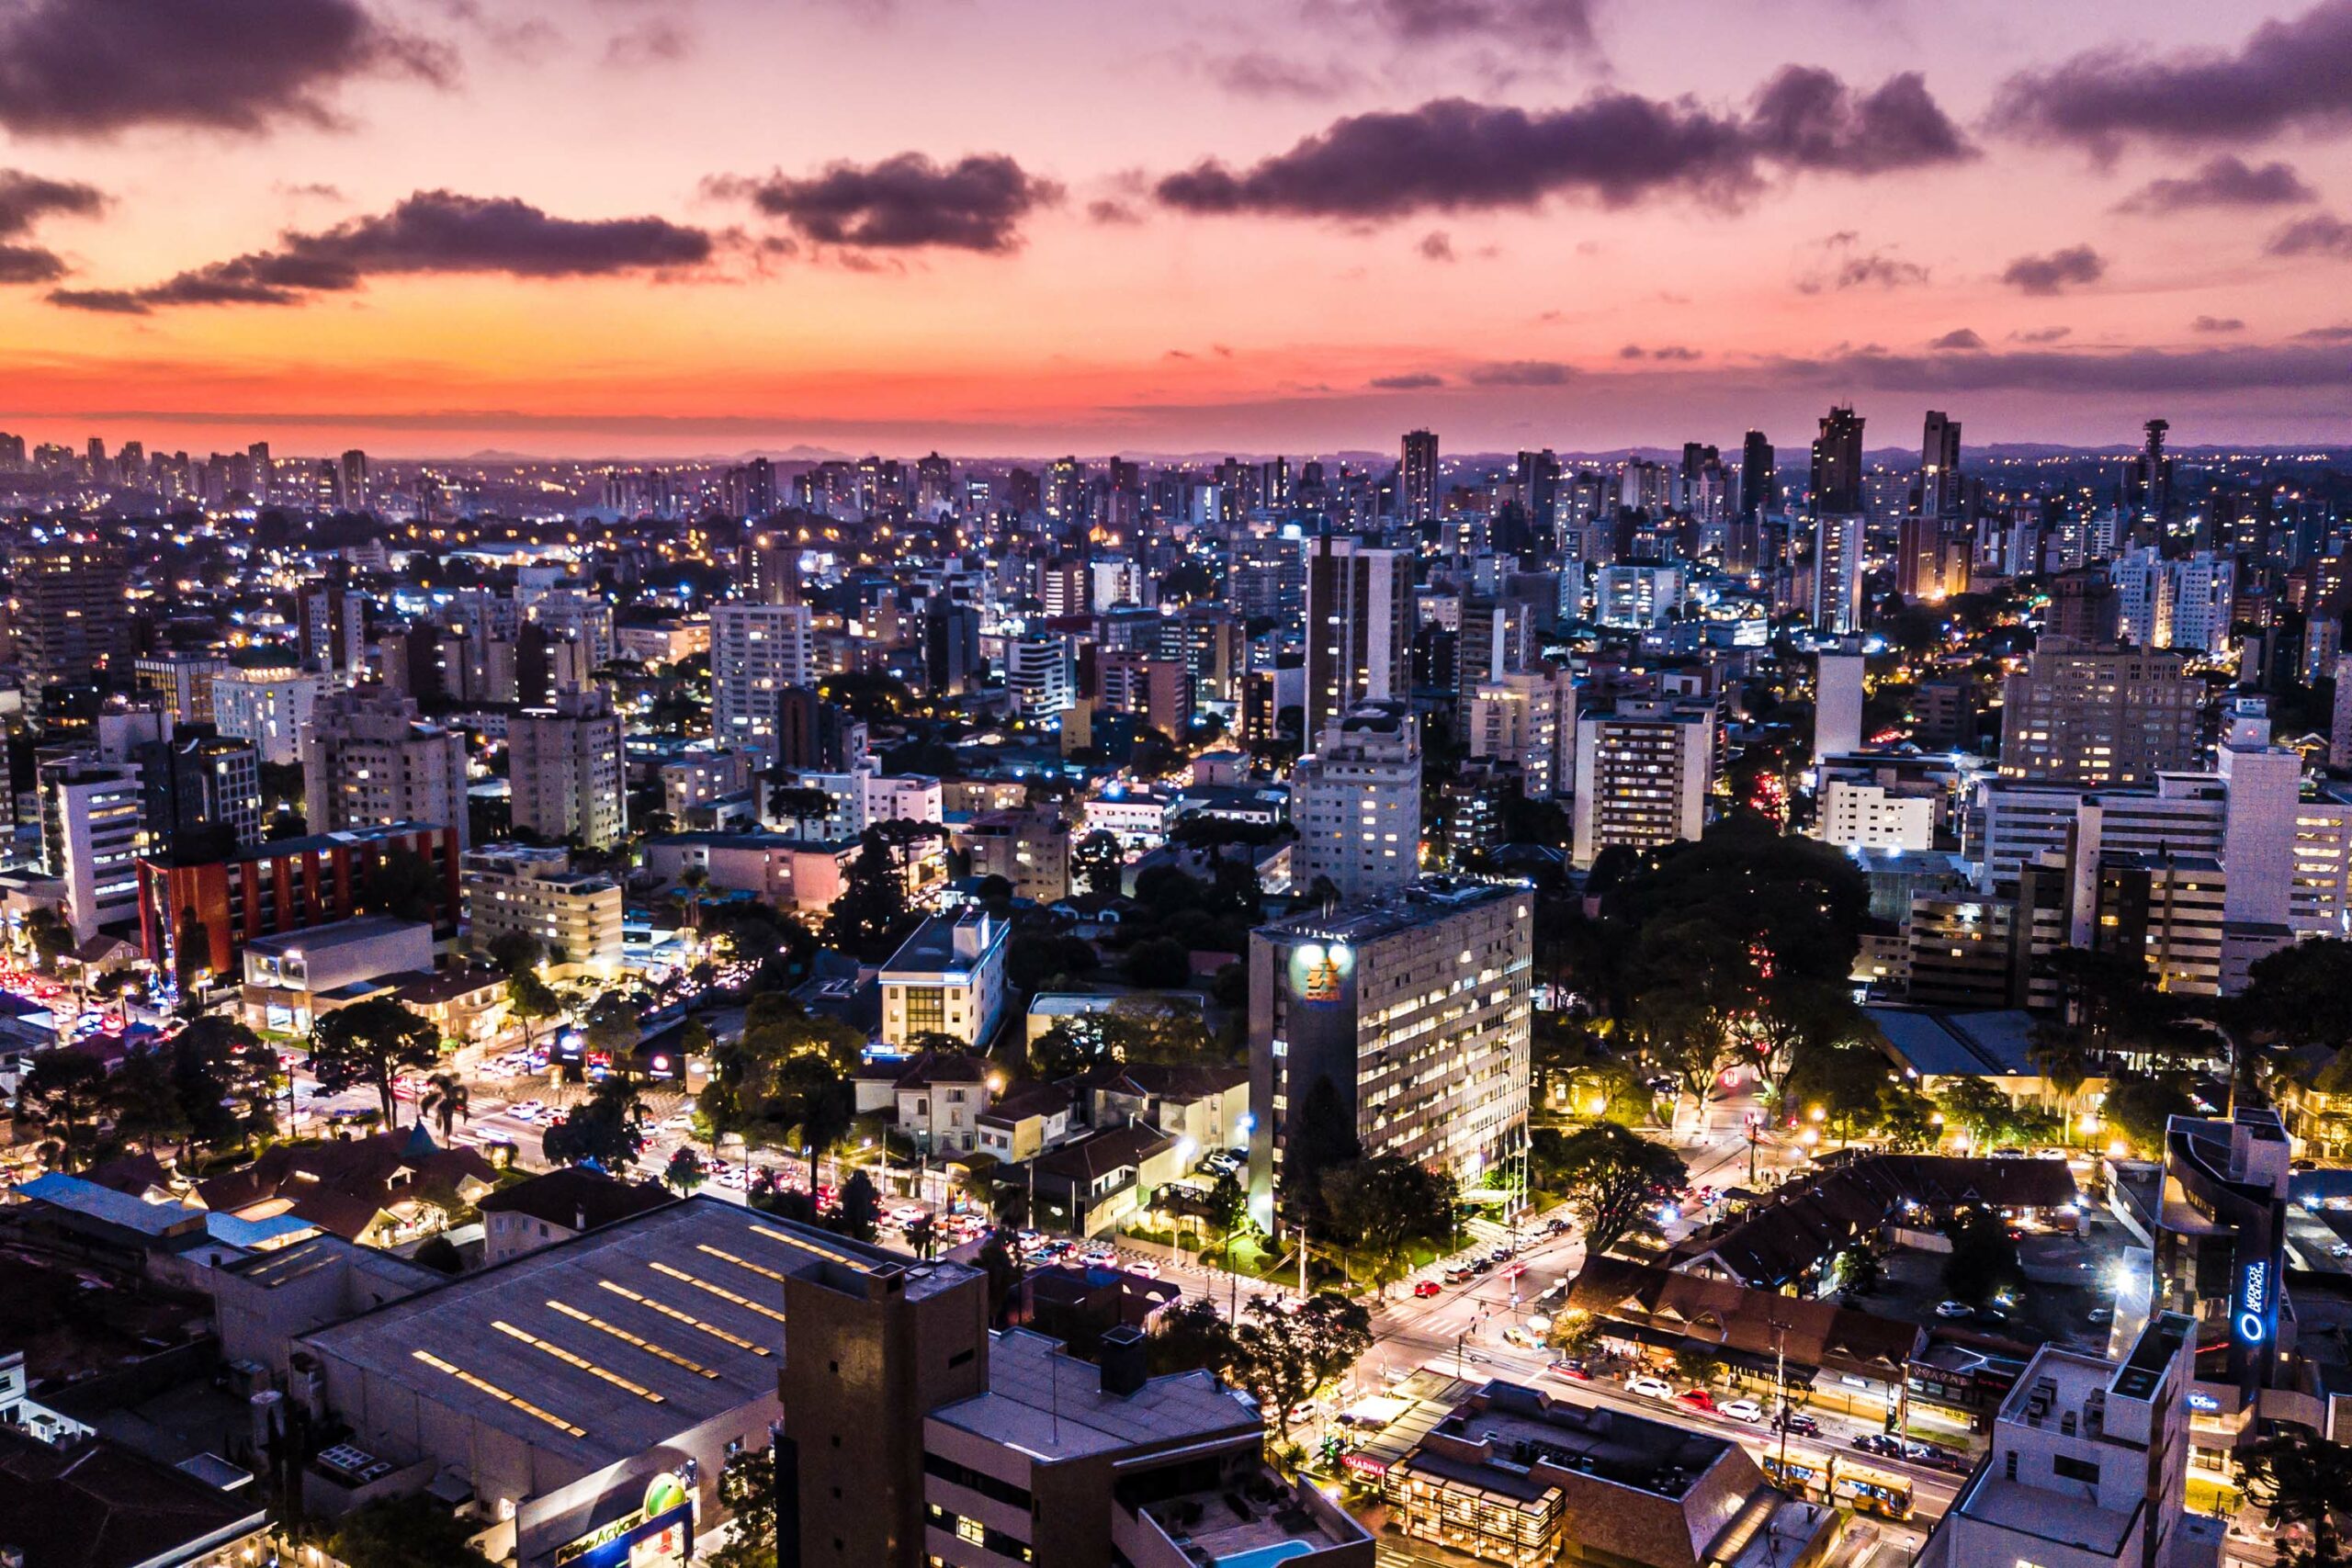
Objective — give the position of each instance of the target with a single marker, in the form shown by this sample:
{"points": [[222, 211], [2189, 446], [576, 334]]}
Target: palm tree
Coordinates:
{"points": [[445, 1099], [691, 881]]}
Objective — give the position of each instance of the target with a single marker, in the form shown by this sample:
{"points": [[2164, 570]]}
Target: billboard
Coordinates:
{"points": [[658, 1534], [1319, 973]]}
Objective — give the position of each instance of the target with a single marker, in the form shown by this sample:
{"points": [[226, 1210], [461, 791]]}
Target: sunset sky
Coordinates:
{"points": [[998, 227]]}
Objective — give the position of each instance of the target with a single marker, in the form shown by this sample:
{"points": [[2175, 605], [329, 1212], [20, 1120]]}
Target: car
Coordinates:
{"points": [[1144, 1268], [1650, 1387], [1556, 1227], [1456, 1274], [1515, 1271], [1798, 1424], [2099, 1317], [1424, 1288], [1878, 1443], [1099, 1257], [2300, 1164], [1746, 1410], [1572, 1369], [1953, 1308], [1696, 1399], [908, 1213]]}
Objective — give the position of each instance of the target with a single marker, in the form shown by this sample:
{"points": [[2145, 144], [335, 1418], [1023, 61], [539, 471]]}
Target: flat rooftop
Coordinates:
{"points": [[1629, 1451], [2045, 1513], [1431, 897], [336, 933], [1958, 1045], [604, 1347], [1050, 1406]]}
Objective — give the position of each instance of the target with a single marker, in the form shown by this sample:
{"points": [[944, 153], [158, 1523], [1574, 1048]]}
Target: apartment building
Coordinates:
{"points": [[947, 979], [513, 890], [1644, 773], [369, 760], [1356, 802]]}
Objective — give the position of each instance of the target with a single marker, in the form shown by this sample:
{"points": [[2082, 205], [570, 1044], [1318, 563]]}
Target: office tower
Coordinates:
{"points": [[1644, 773], [1919, 556], [2220, 1254], [201, 793], [2264, 825], [1351, 1037], [1637, 597], [1356, 802], [757, 652], [1939, 488], [517, 891], [1837, 464], [1064, 491], [93, 830], [2165, 911], [182, 682], [564, 769], [67, 609], [1535, 486], [1836, 704], [1493, 637], [330, 629], [1214, 643], [351, 482], [2082, 608], [1359, 627], [772, 563], [1417, 492], [2147, 479], [2093, 716], [934, 486], [750, 492], [1037, 675], [1064, 586], [951, 645], [1838, 547], [370, 760], [2102, 1445]]}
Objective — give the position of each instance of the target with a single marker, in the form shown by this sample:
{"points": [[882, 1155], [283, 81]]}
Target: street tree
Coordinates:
{"points": [[1383, 1207], [372, 1042], [685, 1172], [1612, 1178], [531, 1000], [1097, 864], [747, 1490], [857, 1213], [1282, 1357], [607, 1130], [2304, 1485], [446, 1100]]}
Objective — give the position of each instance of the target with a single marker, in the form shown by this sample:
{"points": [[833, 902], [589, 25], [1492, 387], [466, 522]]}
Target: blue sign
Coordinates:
{"points": [[636, 1540], [2253, 1304]]}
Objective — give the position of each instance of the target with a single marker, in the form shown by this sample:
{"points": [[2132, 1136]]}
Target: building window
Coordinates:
{"points": [[2068, 1468]]}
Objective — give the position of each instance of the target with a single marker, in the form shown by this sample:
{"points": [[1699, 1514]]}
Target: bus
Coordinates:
{"points": [[1872, 1492]]}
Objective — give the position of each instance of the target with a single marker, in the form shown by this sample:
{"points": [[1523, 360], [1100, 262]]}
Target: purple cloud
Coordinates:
{"points": [[1256, 74], [2227, 180], [907, 202], [95, 67], [2217, 324], [2055, 272], [1545, 26], [1807, 118], [2321, 234], [432, 231], [1436, 245], [1959, 338], [1411, 382], [1519, 373]]}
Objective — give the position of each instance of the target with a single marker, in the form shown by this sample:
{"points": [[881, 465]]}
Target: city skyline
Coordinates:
{"points": [[430, 228]]}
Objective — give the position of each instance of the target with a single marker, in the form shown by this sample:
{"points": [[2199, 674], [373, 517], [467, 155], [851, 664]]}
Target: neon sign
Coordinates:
{"points": [[2253, 1304]]}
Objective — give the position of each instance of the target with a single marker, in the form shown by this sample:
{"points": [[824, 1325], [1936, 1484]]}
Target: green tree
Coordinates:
{"points": [[49, 936], [531, 1000], [403, 885], [445, 1099], [228, 1080], [613, 1026], [143, 1102], [1190, 1336], [372, 1042], [1840, 1081], [517, 951], [2137, 1108], [817, 1104], [1097, 864], [1282, 1357], [747, 1491], [607, 1130], [870, 914], [191, 953], [1698, 1363], [2303, 1483], [1322, 1134], [403, 1532], [857, 1213], [685, 1172], [1906, 1119], [1612, 1178], [1159, 964], [1977, 1107], [800, 807], [1984, 1257], [1385, 1206]]}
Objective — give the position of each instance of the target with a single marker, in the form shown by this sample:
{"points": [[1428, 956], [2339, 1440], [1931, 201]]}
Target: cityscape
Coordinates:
{"points": [[1358, 783]]}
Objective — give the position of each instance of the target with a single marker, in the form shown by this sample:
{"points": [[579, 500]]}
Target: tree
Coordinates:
{"points": [[143, 1102], [1698, 1363], [817, 1103], [1382, 1207], [747, 1491], [1159, 964], [227, 1079], [613, 1026], [50, 936], [2305, 1485], [1984, 1258], [801, 807], [1097, 864], [191, 953], [1840, 1081], [1191, 1336], [2137, 1108], [607, 1130], [1281, 1358], [685, 1172], [403, 885], [445, 1099], [1612, 1178], [1906, 1119], [1322, 1134], [1976, 1107], [517, 951], [403, 1532], [858, 1211], [2302, 993], [869, 914], [372, 1042], [1576, 1332], [531, 1000], [995, 1259]]}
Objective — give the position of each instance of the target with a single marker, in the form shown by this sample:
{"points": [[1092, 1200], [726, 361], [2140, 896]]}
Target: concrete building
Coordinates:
{"points": [[947, 979], [369, 760], [2220, 1259], [269, 707], [67, 611], [2100, 717], [1644, 773], [1359, 628], [2089, 1466], [1527, 719], [1897, 818], [757, 653], [2167, 911], [182, 682], [1030, 849], [1406, 1021], [700, 779], [200, 789], [1836, 704], [1038, 674], [93, 830], [576, 916], [1838, 567], [807, 875], [564, 768], [292, 980], [1356, 802]]}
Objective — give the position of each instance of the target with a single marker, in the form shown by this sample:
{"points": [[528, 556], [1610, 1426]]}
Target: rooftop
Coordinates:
{"points": [[335, 933], [1431, 897], [1050, 1406], [1959, 1045]]}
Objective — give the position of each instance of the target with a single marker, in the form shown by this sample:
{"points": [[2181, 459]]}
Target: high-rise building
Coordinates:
{"points": [[351, 482], [1037, 675], [2100, 717], [757, 653], [1838, 704], [1356, 802], [2147, 479], [370, 760], [1838, 547], [182, 682], [1494, 635], [511, 889], [564, 768], [1644, 773], [1939, 486], [67, 610], [1399, 1026], [772, 563], [2219, 1254], [269, 707], [1359, 627], [1417, 492], [201, 793], [1837, 464], [1527, 719], [93, 830], [331, 626], [1756, 477]]}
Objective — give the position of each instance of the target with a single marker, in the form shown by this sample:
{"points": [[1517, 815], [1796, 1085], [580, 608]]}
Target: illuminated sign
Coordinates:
{"points": [[660, 1534], [2204, 1402], [2253, 1304], [1319, 973]]}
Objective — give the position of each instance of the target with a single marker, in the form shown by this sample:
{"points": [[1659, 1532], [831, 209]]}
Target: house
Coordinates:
{"points": [[1024, 1121], [467, 1005], [378, 1190], [1088, 1186], [558, 1206], [1200, 1105], [939, 1100], [98, 1504]]}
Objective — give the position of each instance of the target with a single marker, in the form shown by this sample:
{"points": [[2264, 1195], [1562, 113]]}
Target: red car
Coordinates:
{"points": [[1696, 1399], [1573, 1371], [1424, 1288]]}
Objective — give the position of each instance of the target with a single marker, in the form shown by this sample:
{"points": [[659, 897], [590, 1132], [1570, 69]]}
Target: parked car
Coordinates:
{"points": [[1798, 1424], [1746, 1410], [1878, 1443], [1953, 1308], [1424, 1288], [1650, 1387], [1698, 1399], [1572, 1369], [1456, 1274]]}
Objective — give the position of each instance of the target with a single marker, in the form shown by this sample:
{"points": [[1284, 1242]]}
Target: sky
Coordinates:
{"points": [[663, 228]]}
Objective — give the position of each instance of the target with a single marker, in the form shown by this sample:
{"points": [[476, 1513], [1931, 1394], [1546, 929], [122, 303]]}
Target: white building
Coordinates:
{"points": [[1356, 802], [2182, 604], [947, 979], [369, 761], [1863, 816], [1137, 818], [1526, 718], [564, 768], [902, 797], [698, 778], [757, 652], [268, 707], [576, 916], [1836, 704], [1038, 673], [93, 832], [1837, 545], [1637, 597], [1644, 773]]}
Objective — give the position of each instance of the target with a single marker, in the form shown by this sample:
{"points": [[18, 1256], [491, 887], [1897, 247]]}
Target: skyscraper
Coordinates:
{"points": [[1837, 464], [1939, 467], [68, 612], [1356, 802], [1837, 546], [1755, 477], [757, 652], [351, 482], [370, 760], [1417, 477], [564, 767], [1359, 627], [2100, 717], [2147, 479], [1642, 776]]}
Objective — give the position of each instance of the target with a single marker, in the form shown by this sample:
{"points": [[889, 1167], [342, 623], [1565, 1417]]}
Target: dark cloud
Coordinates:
{"points": [[2040, 335], [1807, 118], [1545, 26], [1437, 245], [1519, 373], [904, 203], [1256, 74], [1959, 338], [2227, 180], [1671, 353], [657, 41], [2288, 75], [1411, 382], [1843, 267], [2058, 270], [94, 67], [1108, 212], [432, 231], [2139, 371], [29, 264], [2326, 335], [2217, 324], [26, 199], [1614, 148], [2321, 234], [314, 191]]}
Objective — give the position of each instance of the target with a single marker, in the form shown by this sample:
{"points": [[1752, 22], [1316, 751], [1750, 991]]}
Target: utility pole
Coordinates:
{"points": [[1754, 1127]]}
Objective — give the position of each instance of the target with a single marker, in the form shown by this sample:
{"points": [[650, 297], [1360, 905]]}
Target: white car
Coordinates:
{"points": [[1746, 1410], [1144, 1268], [1953, 1308], [908, 1213], [1099, 1257], [1649, 1387]]}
